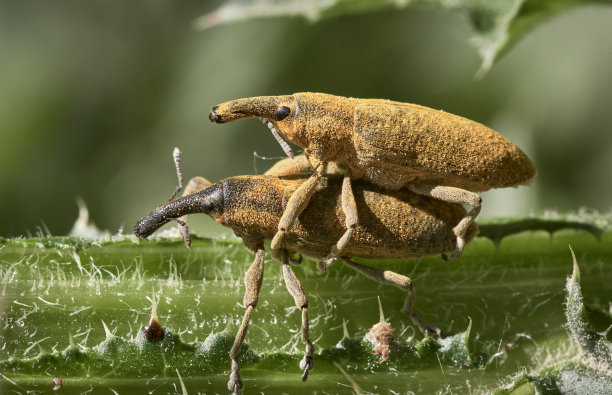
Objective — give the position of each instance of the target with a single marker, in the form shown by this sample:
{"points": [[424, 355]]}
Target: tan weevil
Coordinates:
{"points": [[393, 224], [394, 145]]}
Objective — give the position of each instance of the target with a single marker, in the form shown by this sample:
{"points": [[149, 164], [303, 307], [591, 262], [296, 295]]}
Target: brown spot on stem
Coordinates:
{"points": [[153, 331]]}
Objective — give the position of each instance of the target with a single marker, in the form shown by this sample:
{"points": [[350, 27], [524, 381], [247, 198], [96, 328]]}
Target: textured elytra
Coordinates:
{"points": [[389, 143], [425, 146]]}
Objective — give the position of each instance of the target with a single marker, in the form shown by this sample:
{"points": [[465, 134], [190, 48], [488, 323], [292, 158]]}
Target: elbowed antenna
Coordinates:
{"points": [[205, 201]]}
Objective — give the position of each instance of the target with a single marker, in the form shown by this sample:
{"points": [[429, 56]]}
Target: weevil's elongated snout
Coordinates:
{"points": [[250, 107], [208, 201], [277, 112]]}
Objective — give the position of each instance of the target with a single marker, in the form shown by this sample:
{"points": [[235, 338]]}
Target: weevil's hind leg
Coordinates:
{"points": [[252, 282], [402, 282], [454, 195], [295, 205], [295, 289], [349, 207]]}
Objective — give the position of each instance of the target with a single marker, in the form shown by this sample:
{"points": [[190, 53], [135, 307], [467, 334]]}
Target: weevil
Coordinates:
{"points": [[391, 144], [394, 224]]}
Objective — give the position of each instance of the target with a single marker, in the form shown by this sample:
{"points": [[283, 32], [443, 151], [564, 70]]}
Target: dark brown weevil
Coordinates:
{"points": [[394, 145], [393, 224]]}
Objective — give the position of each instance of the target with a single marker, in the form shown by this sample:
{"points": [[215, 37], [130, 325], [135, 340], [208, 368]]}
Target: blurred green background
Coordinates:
{"points": [[94, 96]]}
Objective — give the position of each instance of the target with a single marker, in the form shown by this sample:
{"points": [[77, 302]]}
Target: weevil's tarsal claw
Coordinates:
{"points": [[235, 383], [307, 363], [428, 330]]}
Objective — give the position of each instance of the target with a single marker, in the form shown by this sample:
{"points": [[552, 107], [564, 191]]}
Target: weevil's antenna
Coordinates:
{"points": [[278, 138], [183, 228], [176, 155], [257, 156]]}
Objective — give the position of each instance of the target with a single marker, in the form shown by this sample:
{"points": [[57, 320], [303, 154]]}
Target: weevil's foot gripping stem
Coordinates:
{"points": [[402, 282], [295, 289], [252, 282], [307, 363], [235, 383], [428, 330]]}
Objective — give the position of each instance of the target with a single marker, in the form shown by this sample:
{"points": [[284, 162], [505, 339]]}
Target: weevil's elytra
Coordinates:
{"points": [[444, 149], [391, 144]]}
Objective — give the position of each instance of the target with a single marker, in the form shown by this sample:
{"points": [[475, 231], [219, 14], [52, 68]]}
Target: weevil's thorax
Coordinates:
{"points": [[252, 206], [323, 124]]}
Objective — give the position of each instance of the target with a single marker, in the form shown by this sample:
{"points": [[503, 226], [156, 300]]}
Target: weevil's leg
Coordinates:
{"points": [[295, 205], [400, 281], [454, 195], [349, 207], [252, 282], [295, 289]]}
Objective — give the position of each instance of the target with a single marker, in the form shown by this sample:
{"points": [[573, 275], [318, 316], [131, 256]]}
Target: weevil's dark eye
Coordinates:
{"points": [[282, 113], [207, 207]]}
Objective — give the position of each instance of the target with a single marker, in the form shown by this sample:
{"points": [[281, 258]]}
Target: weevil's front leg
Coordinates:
{"points": [[252, 282], [454, 195], [295, 289], [349, 207], [400, 281], [295, 205]]}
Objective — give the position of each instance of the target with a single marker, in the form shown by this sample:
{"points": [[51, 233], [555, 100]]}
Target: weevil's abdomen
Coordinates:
{"points": [[399, 143]]}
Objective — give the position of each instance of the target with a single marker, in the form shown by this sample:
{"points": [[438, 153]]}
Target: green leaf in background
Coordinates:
{"points": [[496, 25], [589, 373], [73, 309]]}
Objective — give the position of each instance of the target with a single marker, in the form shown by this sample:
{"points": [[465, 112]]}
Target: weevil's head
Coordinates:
{"points": [[305, 119], [208, 201]]}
